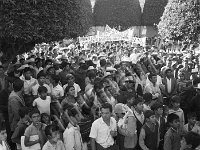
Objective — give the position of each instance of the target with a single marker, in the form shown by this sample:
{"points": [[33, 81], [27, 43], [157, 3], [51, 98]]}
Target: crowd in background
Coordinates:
{"points": [[107, 96]]}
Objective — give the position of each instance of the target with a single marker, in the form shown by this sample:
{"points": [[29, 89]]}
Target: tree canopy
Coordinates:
{"points": [[181, 21], [153, 10], [125, 13], [26, 22]]}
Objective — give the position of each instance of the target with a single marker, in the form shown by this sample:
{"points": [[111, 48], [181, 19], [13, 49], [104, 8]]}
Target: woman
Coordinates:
{"points": [[69, 96]]}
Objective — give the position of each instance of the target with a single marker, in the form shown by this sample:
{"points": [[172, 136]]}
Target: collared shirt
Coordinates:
{"points": [[76, 87], [72, 138], [154, 90], [140, 117], [57, 91], [3, 146], [169, 85], [34, 89], [58, 146], [100, 131]]}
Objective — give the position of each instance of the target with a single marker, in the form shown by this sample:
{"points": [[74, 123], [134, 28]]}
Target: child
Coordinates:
{"points": [[21, 126], [192, 118], [3, 136], [72, 136], [190, 141], [53, 135], [46, 119], [173, 135], [43, 101], [175, 109], [158, 110], [149, 134], [34, 133]]}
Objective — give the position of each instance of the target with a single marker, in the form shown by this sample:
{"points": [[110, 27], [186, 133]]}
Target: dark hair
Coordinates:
{"points": [[67, 88], [42, 89], [18, 85], [175, 99], [51, 128], [43, 115], [147, 97], [191, 115], [23, 111], [34, 111], [151, 75], [41, 74], [2, 125], [72, 112], [192, 139], [167, 70], [172, 117], [107, 106], [85, 110], [137, 100], [27, 69], [156, 106], [91, 75], [102, 62], [56, 78]]}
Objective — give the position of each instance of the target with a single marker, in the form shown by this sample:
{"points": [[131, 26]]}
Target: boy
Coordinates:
{"points": [[192, 119], [21, 127], [173, 135], [53, 135], [149, 134], [34, 133], [158, 110], [43, 101], [190, 141], [41, 78], [3, 136]]}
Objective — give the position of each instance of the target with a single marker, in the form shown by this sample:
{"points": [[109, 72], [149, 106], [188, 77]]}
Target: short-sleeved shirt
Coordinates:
{"points": [[57, 91], [43, 105], [27, 84], [100, 131], [48, 146], [34, 89], [76, 87]]}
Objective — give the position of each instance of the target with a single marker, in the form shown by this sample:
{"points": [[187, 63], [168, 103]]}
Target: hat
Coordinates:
{"points": [[32, 60], [107, 74], [148, 113], [119, 108], [91, 68], [110, 69]]}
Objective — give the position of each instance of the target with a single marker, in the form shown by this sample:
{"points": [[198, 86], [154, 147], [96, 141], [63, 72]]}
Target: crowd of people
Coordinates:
{"points": [[108, 96]]}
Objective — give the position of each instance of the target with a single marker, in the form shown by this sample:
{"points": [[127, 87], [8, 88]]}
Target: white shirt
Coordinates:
{"points": [[57, 91], [76, 87], [72, 138], [43, 105], [3, 146], [158, 82], [169, 85], [100, 131], [28, 84], [34, 89], [154, 90], [58, 146]]}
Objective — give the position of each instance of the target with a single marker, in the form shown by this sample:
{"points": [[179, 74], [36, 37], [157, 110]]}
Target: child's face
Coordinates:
{"points": [[35, 118], [192, 120], [3, 135], [42, 80], [175, 124], [55, 136], [43, 95], [152, 119], [160, 111], [176, 105], [139, 106]]}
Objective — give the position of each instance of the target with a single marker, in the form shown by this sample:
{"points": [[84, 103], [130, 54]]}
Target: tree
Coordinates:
{"points": [[153, 10], [181, 21], [125, 13], [23, 23]]}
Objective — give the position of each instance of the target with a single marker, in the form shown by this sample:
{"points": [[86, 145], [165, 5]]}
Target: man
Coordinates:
{"points": [[15, 103], [170, 85], [152, 87], [104, 130]]}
